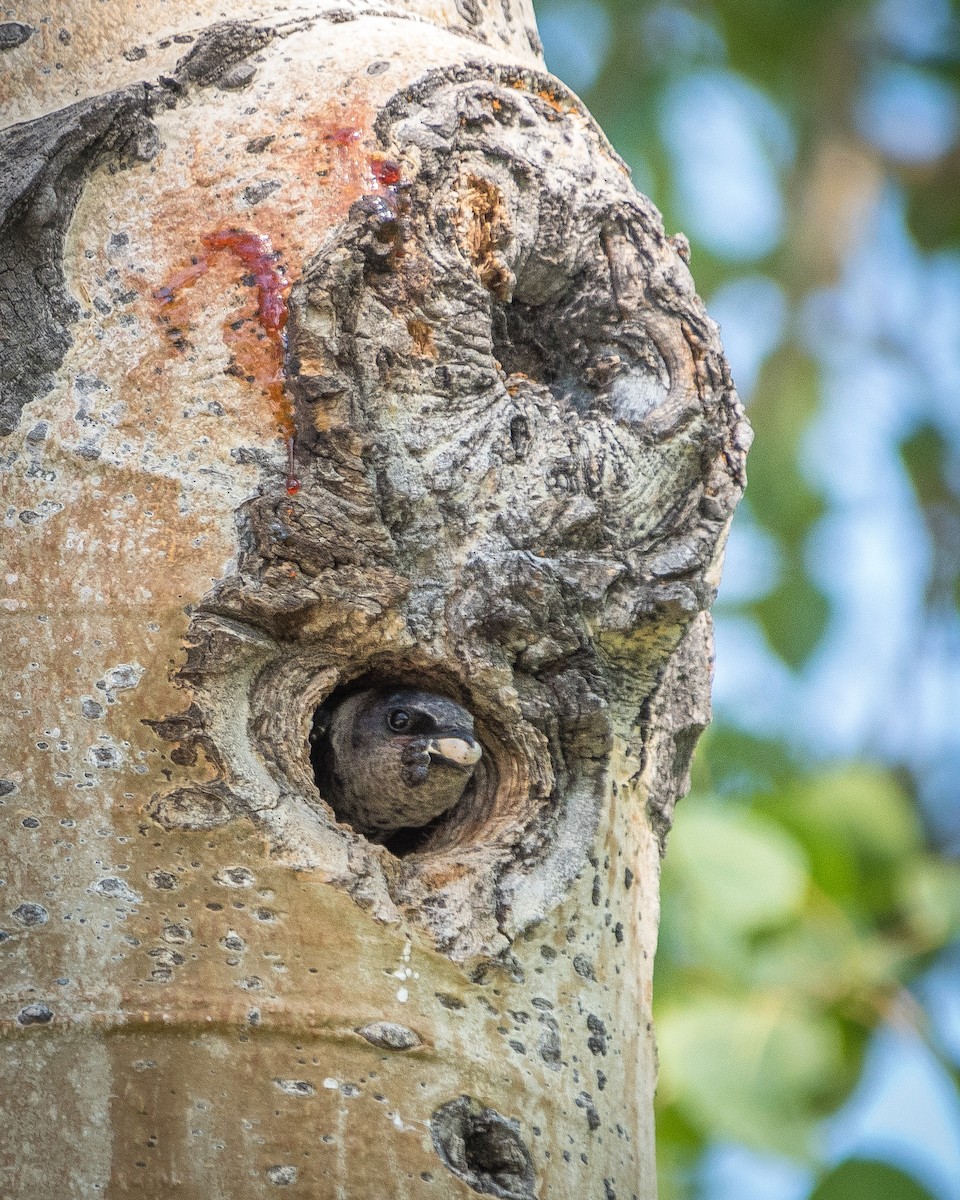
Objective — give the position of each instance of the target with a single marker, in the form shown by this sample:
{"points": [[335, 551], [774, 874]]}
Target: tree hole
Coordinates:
{"points": [[484, 1149]]}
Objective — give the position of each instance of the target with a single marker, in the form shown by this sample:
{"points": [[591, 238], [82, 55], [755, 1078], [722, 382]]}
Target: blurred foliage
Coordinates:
{"points": [[802, 893], [926, 456], [794, 914], [869, 1181]]}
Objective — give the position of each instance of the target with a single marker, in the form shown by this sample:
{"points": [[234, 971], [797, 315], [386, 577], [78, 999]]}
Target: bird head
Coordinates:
{"points": [[398, 758]]}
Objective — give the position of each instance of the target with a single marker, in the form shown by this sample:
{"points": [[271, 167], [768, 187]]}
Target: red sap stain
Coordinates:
{"points": [[385, 171], [391, 192], [343, 136], [259, 261]]}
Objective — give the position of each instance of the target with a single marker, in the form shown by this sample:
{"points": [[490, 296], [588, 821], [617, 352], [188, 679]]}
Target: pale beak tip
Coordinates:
{"points": [[458, 750]]}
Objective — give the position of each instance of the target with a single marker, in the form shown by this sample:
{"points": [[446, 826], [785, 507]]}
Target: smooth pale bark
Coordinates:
{"points": [[516, 453]]}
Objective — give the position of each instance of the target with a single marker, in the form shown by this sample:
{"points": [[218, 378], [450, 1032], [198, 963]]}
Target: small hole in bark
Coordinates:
{"points": [[520, 435], [484, 1149], [400, 761]]}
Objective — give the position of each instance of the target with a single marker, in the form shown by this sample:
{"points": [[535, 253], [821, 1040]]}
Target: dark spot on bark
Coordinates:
{"points": [[162, 880], [597, 1042], [378, 67], [295, 1087], [584, 967], [237, 77], [13, 34], [30, 914], [484, 1149], [30, 823], [258, 145], [192, 808], [452, 1002], [35, 1014], [389, 1036], [585, 1101], [135, 53], [257, 192], [219, 49], [618, 931], [520, 435], [548, 1046], [608, 1192], [7, 786], [114, 889], [470, 10], [627, 878]]}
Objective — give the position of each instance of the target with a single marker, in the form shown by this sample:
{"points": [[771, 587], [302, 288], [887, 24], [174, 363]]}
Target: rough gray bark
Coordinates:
{"points": [[516, 449]]}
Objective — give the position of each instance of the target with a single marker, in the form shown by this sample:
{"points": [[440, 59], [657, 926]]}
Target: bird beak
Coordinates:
{"points": [[461, 751]]}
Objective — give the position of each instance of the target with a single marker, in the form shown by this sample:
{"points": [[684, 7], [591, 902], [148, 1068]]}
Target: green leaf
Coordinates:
{"points": [[933, 198], [794, 615], [925, 454], [929, 892], [826, 958], [730, 759], [786, 398], [756, 1070], [859, 829], [733, 868], [861, 1179]]}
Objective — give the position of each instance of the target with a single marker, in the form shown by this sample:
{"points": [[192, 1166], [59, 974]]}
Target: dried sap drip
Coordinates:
{"points": [[259, 261], [257, 255], [390, 203], [385, 171]]}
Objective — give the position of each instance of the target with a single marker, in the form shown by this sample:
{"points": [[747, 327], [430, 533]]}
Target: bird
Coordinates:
{"points": [[394, 759]]}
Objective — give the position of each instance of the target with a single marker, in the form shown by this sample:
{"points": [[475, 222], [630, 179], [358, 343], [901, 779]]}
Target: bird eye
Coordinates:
{"points": [[399, 719]]}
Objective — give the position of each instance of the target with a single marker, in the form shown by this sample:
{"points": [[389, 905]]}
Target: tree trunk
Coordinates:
{"points": [[338, 350]]}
